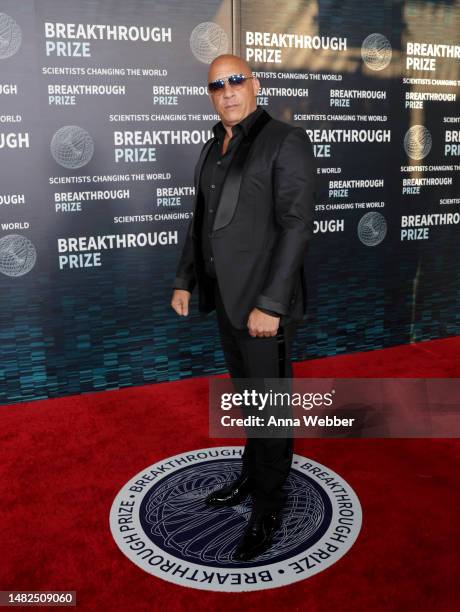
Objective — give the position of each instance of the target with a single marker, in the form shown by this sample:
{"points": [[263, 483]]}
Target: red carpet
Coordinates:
{"points": [[63, 461]]}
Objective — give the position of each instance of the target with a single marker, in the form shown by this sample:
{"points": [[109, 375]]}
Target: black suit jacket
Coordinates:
{"points": [[261, 229]]}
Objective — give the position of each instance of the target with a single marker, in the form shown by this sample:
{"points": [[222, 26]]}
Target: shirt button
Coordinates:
{"points": [[212, 259], [218, 163], [211, 210], [213, 186]]}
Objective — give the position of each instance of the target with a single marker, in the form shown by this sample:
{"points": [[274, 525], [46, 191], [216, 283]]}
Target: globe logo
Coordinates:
{"points": [[376, 51], [372, 228], [72, 146], [175, 519], [10, 36], [165, 528], [207, 41], [17, 255], [417, 142]]}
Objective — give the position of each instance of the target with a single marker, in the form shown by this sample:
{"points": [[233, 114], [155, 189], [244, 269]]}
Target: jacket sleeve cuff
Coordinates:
{"points": [[264, 302], [269, 312], [181, 283]]}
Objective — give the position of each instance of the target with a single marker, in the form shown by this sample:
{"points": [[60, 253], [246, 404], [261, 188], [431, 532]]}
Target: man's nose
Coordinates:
{"points": [[228, 90]]}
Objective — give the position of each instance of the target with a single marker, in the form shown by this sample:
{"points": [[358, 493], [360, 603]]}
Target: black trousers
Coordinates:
{"points": [[266, 461]]}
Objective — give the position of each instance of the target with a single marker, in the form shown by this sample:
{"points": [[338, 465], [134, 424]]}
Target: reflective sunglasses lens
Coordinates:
{"points": [[215, 85], [236, 79]]}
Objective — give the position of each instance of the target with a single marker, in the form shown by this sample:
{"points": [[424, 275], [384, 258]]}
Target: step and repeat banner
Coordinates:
{"points": [[103, 112]]}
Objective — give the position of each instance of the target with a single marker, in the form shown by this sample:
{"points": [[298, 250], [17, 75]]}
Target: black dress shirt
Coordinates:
{"points": [[212, 179]]}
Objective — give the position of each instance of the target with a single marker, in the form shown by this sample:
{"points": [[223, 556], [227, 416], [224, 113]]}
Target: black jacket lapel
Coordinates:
{"points": [[231, 188]]}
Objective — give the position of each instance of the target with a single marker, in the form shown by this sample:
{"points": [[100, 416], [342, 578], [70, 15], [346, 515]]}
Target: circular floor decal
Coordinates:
{"points": [[160, 522]]}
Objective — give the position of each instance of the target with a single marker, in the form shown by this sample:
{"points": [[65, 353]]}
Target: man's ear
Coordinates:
{"points": [[255, 86]]}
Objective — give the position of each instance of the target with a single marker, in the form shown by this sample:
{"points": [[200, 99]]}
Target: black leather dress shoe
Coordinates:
{"points": [[230, 495], [258, 535]]}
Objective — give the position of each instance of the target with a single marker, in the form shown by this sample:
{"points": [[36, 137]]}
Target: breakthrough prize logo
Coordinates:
{"points": [[376, 51], [72, 146], [417, 142], [207, 41], [10, 36], [372, 228], [160, 522], [17, 255]]}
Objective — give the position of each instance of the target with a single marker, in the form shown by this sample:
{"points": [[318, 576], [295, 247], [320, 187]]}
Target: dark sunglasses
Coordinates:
{"points": [[233, 80]]}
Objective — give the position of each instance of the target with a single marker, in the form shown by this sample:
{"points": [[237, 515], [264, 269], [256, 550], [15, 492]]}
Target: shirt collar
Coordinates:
{"points": [[244, 125]]}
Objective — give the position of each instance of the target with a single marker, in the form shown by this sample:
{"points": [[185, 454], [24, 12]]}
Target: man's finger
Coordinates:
{"points": [[180, 306]]}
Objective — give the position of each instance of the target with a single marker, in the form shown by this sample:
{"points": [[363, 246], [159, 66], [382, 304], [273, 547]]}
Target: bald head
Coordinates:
{"points": [[220, 65]]}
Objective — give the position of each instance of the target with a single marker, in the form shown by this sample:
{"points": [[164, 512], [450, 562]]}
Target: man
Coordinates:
{"points": [[254, 185]]}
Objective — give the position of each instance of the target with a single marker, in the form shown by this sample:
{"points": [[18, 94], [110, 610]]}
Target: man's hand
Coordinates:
{"points": [[180, 300], [262, 325]]}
